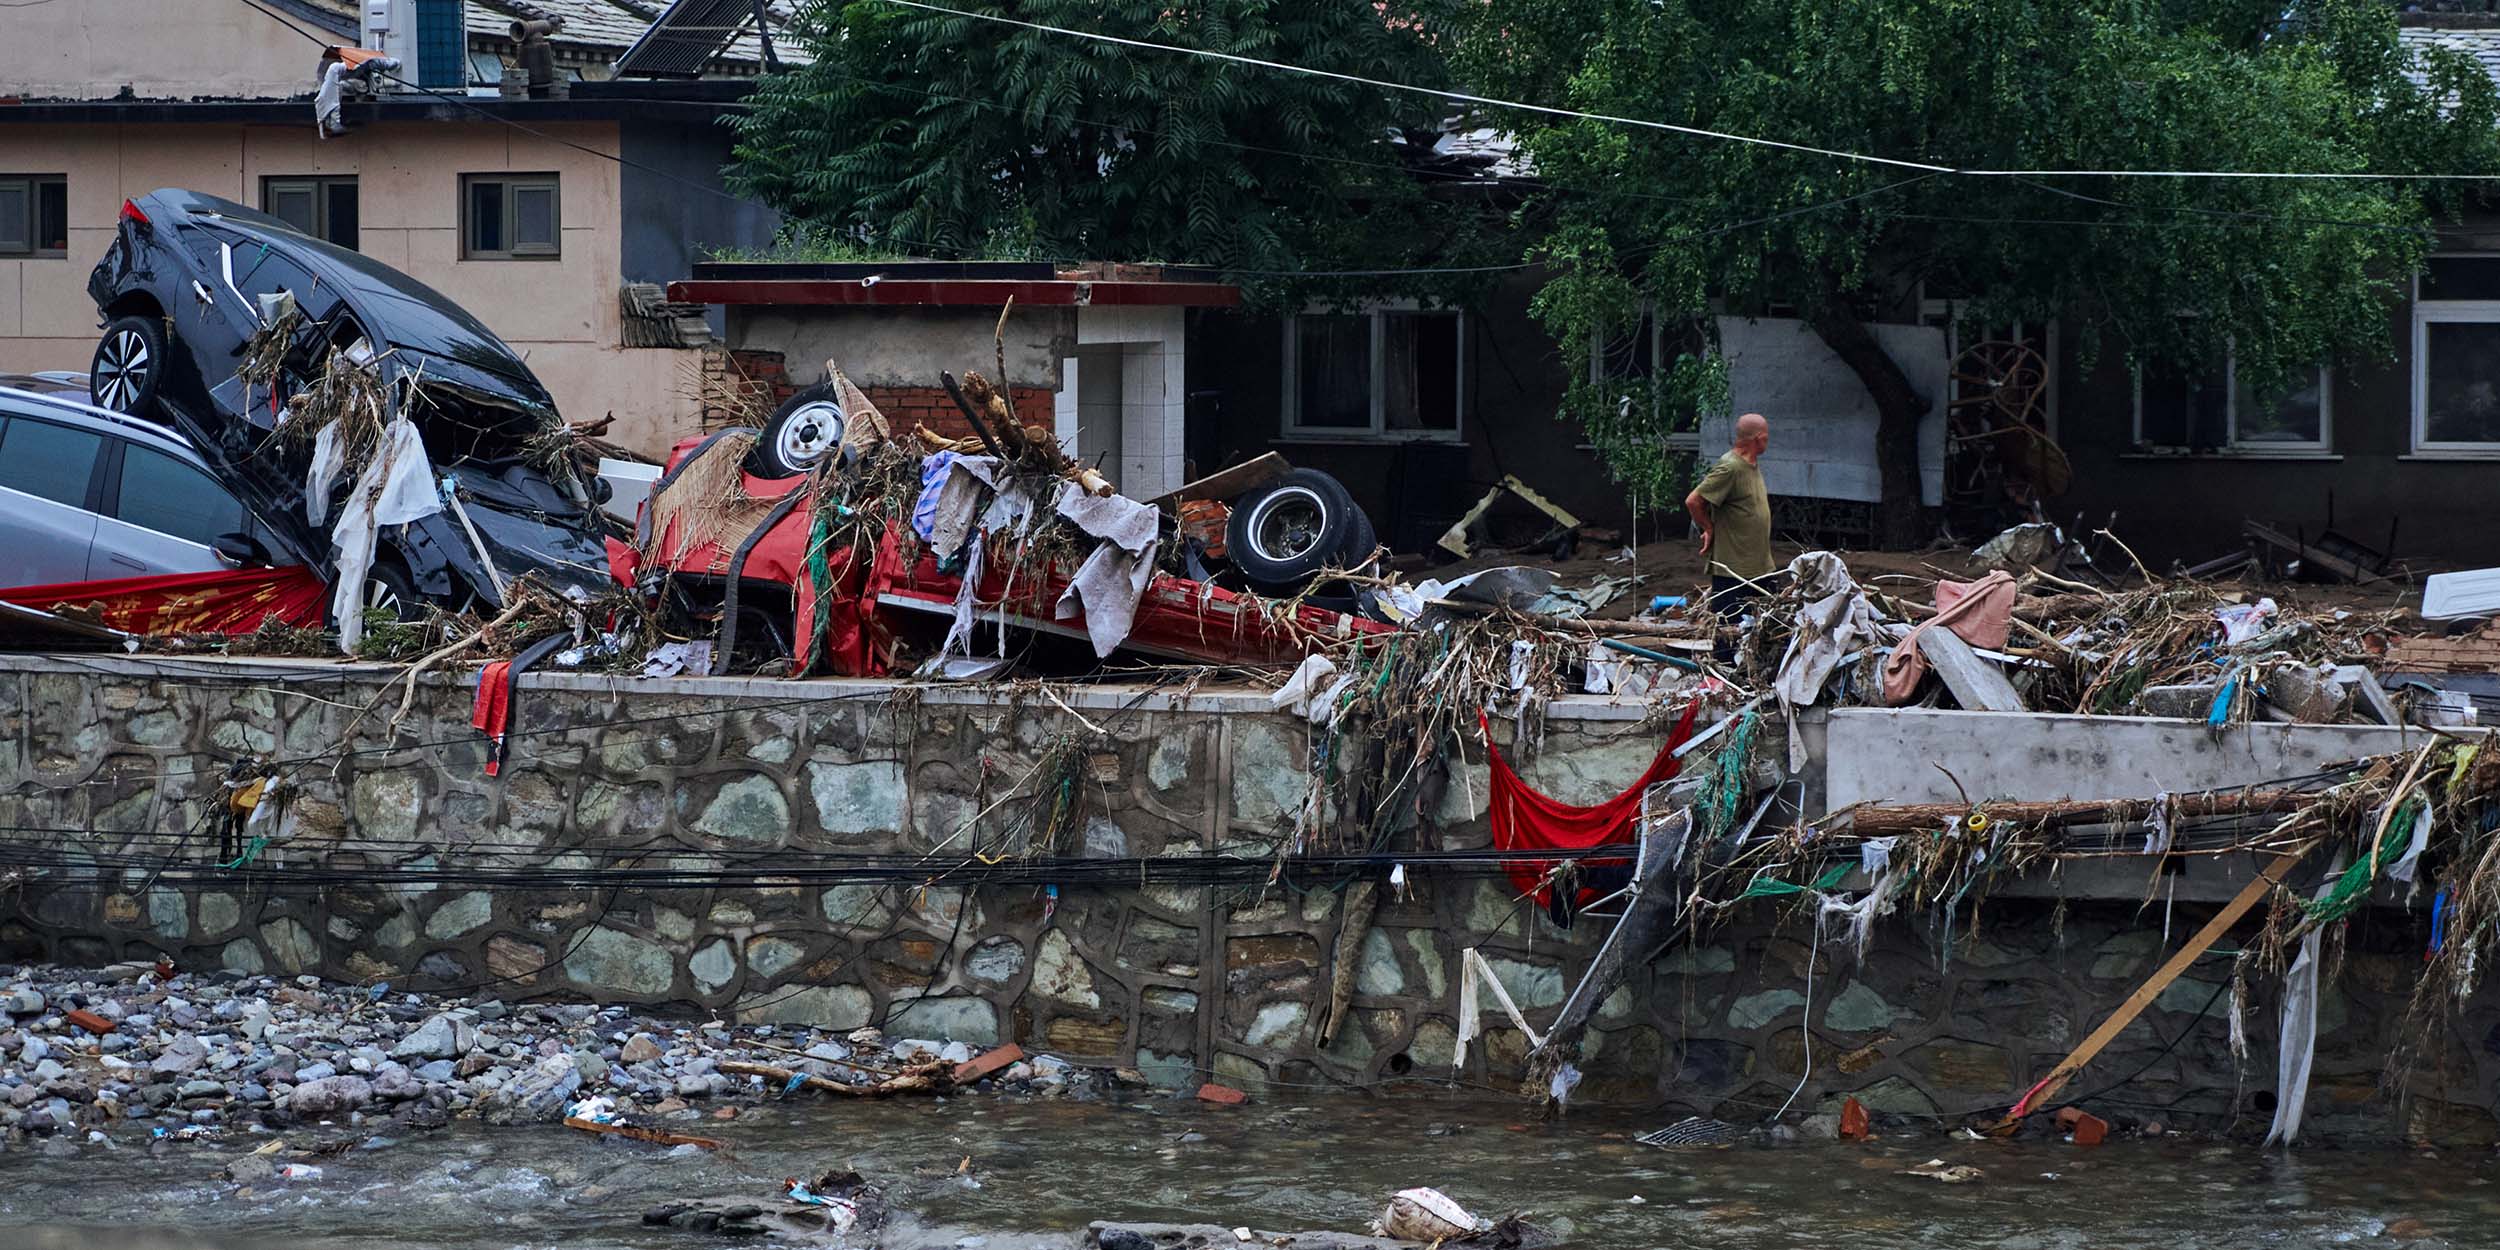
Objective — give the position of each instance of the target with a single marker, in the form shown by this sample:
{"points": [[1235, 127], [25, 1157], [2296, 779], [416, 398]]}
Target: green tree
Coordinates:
{"points": [[2164, 270], [928, 134]]}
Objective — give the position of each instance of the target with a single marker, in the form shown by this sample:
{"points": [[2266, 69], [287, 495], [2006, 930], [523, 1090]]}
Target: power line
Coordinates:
{"points": [[1694, 131]]}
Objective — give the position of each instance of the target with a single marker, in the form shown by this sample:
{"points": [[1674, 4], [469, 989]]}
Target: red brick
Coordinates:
{"points": [[1853, 1122], [89, 1021], [987, 1062], [2090, 1129], [1222, 1095]]}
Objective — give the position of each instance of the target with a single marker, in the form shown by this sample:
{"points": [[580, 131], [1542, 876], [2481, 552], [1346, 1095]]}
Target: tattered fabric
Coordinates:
{"points": [[226, 601], [1524, 819]]}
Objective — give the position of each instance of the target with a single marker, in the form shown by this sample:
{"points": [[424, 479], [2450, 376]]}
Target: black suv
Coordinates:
{"points": [[181, 295]]}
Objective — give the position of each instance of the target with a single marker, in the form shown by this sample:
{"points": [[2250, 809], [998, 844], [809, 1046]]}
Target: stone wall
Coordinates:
{"points": [[114, 758]]}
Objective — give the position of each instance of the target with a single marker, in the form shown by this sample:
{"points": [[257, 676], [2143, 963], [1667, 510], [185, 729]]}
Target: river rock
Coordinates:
{"points": [[331, 1095], [25, 1000], [437, 1072], [395, 1083], [181, 1058], [445, 1036], [642, 1048], [536, 1095], [250, 1168]]}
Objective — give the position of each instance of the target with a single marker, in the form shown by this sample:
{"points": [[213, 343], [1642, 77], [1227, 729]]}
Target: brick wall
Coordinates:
{"points": [[762, 372], [907, 406]]}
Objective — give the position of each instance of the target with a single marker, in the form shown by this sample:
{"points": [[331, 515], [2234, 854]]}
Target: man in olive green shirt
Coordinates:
{"points": [[1733, 513]]}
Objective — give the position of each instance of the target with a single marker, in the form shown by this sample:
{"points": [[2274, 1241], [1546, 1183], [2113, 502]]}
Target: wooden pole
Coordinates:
{"points": [[2248, 897], [1879, 821]]}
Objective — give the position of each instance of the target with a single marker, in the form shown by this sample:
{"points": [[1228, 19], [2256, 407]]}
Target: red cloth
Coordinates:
{"points": [[494, 709], [228, 601], [1525, 820]]}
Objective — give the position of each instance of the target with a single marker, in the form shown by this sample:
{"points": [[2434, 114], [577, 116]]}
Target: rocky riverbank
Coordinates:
{"points": [[134, 1050]]}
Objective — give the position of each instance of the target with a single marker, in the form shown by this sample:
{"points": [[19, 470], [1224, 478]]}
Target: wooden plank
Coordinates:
{"points": [[1455, 541], [1977, 684], [2248, 897], [2308, 555], [1226, 484], [655, 1136]]}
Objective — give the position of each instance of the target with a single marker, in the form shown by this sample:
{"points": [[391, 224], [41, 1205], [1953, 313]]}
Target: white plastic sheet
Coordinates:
{"points": [[398, 487]]}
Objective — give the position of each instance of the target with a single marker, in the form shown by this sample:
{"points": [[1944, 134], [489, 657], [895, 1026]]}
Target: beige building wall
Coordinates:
{"points": [[161, 49], [561, 315]]}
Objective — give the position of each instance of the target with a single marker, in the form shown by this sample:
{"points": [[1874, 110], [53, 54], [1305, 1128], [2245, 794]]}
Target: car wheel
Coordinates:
{"points": [[805, 429], [1283, 532], [128, 360], [387, 589]]}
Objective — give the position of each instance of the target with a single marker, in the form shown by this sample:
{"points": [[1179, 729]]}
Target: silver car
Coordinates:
{"points": [[87, 494]]}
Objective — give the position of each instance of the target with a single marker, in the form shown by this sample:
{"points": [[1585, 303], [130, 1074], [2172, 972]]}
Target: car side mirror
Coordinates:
{"points": [[602, 490], [240, 550]]}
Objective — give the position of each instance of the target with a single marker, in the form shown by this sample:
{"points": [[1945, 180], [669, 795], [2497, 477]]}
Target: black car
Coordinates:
{"points": [[181, 295]]}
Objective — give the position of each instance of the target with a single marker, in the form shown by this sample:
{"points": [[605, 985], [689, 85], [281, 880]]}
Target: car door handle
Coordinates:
{"points": [[126, 561]]}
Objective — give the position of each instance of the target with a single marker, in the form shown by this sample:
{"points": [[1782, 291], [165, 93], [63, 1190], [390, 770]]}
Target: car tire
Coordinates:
{"points": [[805, 429], [386, 586], [129, 359], [1288, 529], [1360, 542]]}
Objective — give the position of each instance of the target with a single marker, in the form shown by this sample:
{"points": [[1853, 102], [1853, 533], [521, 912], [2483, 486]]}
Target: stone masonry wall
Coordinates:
{"points": [[113, 758]]}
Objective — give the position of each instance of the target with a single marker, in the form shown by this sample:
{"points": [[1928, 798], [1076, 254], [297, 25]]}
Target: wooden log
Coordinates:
{"points": [[1879, 821]]}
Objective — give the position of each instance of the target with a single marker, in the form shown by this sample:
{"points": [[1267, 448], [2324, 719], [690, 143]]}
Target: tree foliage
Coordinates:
{"points": [[928, 134], [2286, 273]]}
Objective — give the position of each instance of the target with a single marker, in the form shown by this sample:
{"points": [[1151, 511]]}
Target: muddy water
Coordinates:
{"points": [[1039, 1170]]}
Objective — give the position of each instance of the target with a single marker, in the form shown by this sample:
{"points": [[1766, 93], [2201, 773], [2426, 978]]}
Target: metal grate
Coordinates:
{"points": [[687, 36]]}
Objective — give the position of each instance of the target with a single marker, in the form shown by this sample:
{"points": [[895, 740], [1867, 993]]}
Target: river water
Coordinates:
{"points": [[1039, 1170]]}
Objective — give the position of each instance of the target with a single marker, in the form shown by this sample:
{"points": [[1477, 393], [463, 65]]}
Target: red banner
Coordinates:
{"points": [[229, 601]]}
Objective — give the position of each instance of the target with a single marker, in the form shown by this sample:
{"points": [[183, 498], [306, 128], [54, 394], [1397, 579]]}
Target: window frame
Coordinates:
{"points": [[1676, 440], [319, 185], [1376, 315], [2429, 312], [552, 183], [31, 186], [2309, 449]]}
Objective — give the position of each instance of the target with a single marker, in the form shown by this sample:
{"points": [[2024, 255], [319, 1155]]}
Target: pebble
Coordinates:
{"points": [[219, 1057]]}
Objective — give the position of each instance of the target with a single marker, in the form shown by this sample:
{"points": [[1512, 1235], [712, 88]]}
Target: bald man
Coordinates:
{"points": [[1732, 512]]}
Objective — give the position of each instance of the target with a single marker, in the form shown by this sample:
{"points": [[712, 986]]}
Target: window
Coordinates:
{"points": [[509, 217], [48, 461], [2213, 409], [485, 69], [324, 208], [2456, 356], [34, 215], [1389, 372], [1627, 365], [161, 493]]}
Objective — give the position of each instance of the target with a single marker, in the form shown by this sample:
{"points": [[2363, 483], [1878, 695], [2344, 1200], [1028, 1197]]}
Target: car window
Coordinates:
{"points": [[164, 494], [48, 461]]}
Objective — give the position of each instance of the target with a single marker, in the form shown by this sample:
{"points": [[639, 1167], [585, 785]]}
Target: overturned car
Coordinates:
{"points": [[228, 324]]}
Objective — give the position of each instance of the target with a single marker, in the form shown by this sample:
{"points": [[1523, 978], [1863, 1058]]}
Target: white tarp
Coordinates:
{"points": [[1822, 419]]}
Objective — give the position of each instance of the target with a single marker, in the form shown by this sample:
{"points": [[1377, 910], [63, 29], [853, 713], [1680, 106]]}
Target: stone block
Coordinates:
{"points": [[747, 809], [854, 798], [712, 966], [461, 915], [1094, 1039], [618, 962], [996, 960], [838, 1008], [1060, 974], [955, 1019], [1755, 1010]]}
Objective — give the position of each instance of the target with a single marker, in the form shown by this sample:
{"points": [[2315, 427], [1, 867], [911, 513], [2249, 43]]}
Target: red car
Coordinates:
{"points": [[759, 585]]}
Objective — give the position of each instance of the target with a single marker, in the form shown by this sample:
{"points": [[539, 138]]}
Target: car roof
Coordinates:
{"points": [[73, 412], [392, 306]]}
